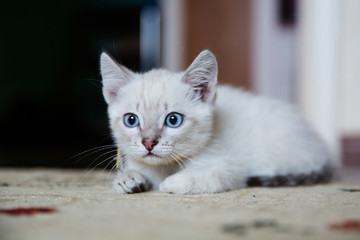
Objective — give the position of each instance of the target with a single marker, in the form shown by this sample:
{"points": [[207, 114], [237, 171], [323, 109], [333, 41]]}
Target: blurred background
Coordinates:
{"points": [[51, 105]]}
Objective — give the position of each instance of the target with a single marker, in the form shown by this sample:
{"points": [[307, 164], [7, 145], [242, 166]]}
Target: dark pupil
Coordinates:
{"points": [[132, 120], [173, 119]]}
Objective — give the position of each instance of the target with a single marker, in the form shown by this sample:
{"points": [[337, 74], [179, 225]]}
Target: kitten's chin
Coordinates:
{"points": [[155, 160]]}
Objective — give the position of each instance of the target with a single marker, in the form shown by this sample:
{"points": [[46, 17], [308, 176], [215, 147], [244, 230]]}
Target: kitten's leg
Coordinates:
{"points": [[197, 181], [130, 181]]}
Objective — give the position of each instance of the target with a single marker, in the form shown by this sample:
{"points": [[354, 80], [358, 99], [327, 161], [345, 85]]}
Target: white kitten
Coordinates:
{"points": [[179, 133]]}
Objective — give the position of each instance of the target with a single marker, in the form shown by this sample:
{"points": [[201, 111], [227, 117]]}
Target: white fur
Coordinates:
{"points": [[222, 141]]}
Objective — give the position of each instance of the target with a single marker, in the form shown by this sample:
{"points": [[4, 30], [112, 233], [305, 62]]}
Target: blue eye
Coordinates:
{"points": [[131, 120], [174, 120]]}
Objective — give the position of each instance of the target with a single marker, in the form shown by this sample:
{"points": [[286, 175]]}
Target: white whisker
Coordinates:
{"points": [[110, 171], [177, 159], [92, 151], [107, 165], [109, 152], [107, 159], [184, 156]]}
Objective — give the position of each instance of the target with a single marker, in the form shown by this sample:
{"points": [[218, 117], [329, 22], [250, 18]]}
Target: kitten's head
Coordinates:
{"points": [[160, 117]]}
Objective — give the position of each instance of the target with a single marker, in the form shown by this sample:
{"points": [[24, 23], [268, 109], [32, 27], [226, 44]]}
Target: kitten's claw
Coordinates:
{"points": [[130, 182]]}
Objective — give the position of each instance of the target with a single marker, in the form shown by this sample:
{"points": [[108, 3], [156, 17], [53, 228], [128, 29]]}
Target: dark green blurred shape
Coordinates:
{"points": [[51, 105]]}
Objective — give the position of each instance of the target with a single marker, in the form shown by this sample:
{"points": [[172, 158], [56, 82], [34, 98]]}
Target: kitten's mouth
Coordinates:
{"points": [[155, 160], [150, 154]]}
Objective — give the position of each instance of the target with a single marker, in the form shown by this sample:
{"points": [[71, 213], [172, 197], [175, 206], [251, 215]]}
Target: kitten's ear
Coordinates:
{"points": [[114, 76], [202, 76]]}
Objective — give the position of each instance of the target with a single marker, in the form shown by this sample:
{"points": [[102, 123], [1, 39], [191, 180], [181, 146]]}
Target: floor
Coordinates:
{"points": [[73, 204]]}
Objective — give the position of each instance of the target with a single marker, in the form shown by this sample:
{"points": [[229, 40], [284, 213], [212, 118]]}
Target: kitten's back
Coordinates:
{"points": [[275, 144]]}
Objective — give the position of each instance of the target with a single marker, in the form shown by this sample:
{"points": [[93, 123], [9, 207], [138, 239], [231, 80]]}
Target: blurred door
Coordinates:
{"points": [[224, 28]]}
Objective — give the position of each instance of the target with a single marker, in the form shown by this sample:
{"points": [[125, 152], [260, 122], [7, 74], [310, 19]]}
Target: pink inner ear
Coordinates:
{"points": [[202, 91], [112, 94]]}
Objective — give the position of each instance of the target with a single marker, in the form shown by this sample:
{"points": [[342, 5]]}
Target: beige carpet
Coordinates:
{"points": [[86, 208]]}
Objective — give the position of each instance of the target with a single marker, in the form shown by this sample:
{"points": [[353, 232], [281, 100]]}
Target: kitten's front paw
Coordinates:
{"points": [[179, 183], [199, 183], [130, 182]]}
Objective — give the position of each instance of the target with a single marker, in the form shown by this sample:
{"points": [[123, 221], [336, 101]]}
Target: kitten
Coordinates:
{"points": [[181, 133]]}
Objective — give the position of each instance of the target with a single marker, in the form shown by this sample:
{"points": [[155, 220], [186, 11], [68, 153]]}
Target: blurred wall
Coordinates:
{"points": [[349, 81], [318, 52], [349, 69], [329, 73]]}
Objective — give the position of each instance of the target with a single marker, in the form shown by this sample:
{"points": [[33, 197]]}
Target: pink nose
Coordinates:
{"points": [[149, 145]]}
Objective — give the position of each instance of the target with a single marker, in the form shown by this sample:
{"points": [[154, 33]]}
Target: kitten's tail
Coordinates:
{"points": [[323, 176]]}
